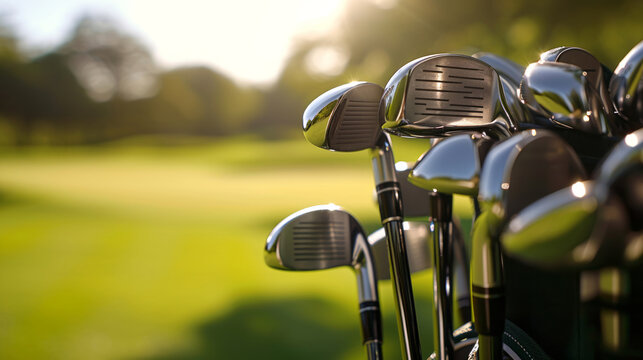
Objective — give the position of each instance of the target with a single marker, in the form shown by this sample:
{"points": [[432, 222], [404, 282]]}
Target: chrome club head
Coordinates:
{"points": [[626, 86], [344, 118], [522, 169], [589, 224], [593, 69], [567, 228], [416, 234], [326, 236], [444, 94], [626, 154], [315, 238], [453, 165], [563, 97]]}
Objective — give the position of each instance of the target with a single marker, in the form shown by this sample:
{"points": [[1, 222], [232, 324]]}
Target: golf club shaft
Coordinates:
{"points": [[390, 204], [614, 321], [374, 350], [487, 290], [441, 230]]}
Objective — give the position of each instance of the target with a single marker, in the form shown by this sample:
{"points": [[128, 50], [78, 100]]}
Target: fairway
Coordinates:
{"points": [[146, 252]]}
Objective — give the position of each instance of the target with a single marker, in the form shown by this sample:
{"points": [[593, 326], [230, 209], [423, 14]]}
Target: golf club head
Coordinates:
{"points": [[589, 224], [510, 77], [452, 166], [626, 154], [315, 238], [522, 169], [575, 228], [326, 236], [323, 237], [626, 87], [418, 248], [594, 70], [563, 97], [345, 118], [443, 94], [503, 66]]}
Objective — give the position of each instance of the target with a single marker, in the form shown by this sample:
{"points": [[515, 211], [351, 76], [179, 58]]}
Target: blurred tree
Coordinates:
{"points": [[108, 62]]}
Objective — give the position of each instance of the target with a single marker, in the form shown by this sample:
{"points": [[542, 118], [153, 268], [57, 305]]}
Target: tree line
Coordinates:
{"points": [[102, 84]]}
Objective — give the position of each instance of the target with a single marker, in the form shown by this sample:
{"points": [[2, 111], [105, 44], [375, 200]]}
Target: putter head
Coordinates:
{"points": [[443, 94], [626, 86], [522, 169], [345, 118], [453, 165], [315, 238], [418, 248], [563, 97]]}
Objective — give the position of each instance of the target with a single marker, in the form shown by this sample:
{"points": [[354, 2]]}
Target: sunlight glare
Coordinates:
{"points": [[249, 39]]}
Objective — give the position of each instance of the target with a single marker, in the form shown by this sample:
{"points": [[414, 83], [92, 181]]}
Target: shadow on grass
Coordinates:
{"points": [[299, 328], [285, 328]]}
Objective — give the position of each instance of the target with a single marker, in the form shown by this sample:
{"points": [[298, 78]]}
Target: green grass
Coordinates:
{"points": [[145, 252]]}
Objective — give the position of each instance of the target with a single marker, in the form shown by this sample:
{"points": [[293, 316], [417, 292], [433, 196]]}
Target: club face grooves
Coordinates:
{"points": [[450, 90], [354, 125], [317, 240]]}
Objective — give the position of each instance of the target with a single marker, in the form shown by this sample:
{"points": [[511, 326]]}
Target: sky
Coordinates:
{"points": [[249, 40]]}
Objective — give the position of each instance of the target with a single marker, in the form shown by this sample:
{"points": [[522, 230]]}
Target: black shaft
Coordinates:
{"points": [[371, 320], [391, 214], [441, 230], [390, 204]]}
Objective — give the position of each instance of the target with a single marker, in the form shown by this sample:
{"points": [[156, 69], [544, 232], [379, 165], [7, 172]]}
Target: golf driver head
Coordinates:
{"points": [[453, 165], [416, 234], [562, 96], [522, 169], [345, 118], [626, 87], [443, 94], [322, 237]]}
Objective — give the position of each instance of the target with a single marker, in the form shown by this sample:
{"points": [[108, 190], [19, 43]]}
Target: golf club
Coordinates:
{"points": [[346, 119], [446, 168], [326, 236], [512, 177]]}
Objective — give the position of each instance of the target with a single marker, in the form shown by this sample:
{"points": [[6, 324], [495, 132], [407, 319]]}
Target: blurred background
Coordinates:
{"points": [[148, 148]]}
